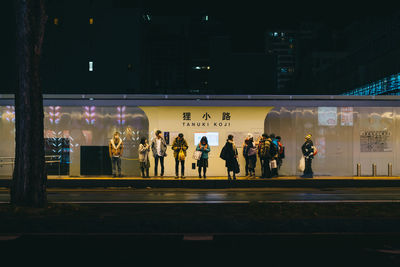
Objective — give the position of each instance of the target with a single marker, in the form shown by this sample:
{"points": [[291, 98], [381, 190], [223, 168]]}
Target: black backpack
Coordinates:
{"points": [[282, 155], [273, 150]]}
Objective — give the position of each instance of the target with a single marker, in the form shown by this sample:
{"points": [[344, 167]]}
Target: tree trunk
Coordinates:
{"points": [[28, 186]]}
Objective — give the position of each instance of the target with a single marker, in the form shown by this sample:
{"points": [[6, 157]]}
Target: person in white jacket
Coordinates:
{"points": [[144, 150]]}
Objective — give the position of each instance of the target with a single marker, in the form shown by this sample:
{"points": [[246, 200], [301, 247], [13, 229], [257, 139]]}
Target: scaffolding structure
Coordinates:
{"points": [[386, 86]]}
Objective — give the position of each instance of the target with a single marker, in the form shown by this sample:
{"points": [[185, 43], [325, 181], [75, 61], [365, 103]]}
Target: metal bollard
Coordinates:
{"points": [[358, 169], [373, 169], [390, 167]]}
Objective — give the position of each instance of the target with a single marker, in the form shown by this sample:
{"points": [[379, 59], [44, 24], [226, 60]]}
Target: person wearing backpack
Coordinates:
{"points": [[308, 151], [274, 154], [264, 155]]}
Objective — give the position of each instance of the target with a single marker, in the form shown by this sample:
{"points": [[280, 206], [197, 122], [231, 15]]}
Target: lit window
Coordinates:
{"points": [[146, 17], [91, 21], [204, 18], [275, 34], [56, 21], [90, 65], [196, 68]]}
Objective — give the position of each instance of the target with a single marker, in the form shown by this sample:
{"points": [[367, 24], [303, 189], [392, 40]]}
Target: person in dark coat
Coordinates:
{"points": [[229, 153], [264, 155], [246, 158], [308, 152]]}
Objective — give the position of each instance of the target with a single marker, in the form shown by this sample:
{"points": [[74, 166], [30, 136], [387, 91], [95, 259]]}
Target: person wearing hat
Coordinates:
{"points": [[308, 152], [179, 146]]}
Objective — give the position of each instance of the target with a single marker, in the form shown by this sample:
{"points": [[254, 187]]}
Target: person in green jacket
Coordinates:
{"points": [[203, 161]]}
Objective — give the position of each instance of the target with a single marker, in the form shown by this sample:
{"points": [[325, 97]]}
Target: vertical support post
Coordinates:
{"points": [[358, 169], [373, 169], [390, 168]]}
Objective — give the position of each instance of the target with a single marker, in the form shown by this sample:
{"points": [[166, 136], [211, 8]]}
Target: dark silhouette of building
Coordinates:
{"points": [[371, 55]]}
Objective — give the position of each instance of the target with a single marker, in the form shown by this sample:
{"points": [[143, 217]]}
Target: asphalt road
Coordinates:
{"points": [[171, 195]]}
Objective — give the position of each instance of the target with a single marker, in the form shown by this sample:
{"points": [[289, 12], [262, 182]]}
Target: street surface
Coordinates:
{"points": [[237, 195]]}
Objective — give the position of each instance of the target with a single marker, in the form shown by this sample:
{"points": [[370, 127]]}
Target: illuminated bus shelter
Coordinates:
{"points": [[347, 130]]}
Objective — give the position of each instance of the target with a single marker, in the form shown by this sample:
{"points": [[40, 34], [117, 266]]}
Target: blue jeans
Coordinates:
{"points": [[156, 158], [116, 165]]}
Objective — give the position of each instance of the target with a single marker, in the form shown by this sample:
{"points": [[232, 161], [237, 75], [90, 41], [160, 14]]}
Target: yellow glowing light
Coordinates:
{"points": [[55, 21], [91, 21]]}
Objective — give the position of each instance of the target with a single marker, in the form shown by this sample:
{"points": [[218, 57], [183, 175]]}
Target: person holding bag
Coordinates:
{"points": [[144, 151], [203, 161], [179, 146], [252, 157], [308, 151], [229, 153]]}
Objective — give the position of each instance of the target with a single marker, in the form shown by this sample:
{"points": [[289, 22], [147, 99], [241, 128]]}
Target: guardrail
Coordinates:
{"points": [[48, 159], [374, 170]]}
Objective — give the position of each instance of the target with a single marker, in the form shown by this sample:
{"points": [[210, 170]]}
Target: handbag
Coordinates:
{"points": [[315, 151], [302, 164], [273, 164], [237, 166], [181, 155], [197, 155], [252, 151], [222, 155]]}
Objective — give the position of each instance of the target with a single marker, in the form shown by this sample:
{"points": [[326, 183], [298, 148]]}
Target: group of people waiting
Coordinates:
{"points": [[268, 148]]}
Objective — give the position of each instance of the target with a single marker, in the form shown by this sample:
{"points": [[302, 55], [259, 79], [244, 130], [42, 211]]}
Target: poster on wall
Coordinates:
{"points": [[375, 141], [212, 138], [327, 116], [346, 118]]}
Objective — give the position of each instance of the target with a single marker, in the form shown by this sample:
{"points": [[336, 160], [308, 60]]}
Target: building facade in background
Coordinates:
{"points": [[371, 64]]}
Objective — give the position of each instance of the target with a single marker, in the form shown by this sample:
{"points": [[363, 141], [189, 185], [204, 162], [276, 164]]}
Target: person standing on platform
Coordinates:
{"points": [[252, 157], [245, 147], [264, 155], [203, 162], [274, 153], [115, 148], [159, 149], [281, 150], [179, 146], [308, 152], [229, 154], [144, 151]]}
